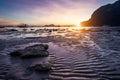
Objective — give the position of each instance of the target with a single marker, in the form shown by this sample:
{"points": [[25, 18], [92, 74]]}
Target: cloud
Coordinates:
{"points": [[49, 11], [59, 12]]}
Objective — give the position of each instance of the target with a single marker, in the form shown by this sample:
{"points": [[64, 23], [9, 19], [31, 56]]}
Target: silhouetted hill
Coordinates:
{"points": [[105, 15]]}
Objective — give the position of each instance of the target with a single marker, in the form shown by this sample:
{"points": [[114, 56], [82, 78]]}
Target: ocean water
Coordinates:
{"points": [[90, 53]]}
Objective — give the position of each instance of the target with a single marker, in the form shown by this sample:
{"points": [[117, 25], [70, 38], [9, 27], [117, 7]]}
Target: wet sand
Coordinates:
{"points": [[74, 55]]}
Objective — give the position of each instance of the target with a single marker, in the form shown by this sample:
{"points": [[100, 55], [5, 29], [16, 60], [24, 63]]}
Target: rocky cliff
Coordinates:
{"points": [[105, 15]]}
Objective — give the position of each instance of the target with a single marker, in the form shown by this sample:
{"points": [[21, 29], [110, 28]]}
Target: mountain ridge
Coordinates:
{"points": [[105, 15]]}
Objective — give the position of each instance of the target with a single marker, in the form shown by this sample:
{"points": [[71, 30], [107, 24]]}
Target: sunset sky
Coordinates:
{"points": [[48, 11]]}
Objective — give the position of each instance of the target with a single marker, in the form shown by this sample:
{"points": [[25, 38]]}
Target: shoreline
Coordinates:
{"points": [[75, 55]]}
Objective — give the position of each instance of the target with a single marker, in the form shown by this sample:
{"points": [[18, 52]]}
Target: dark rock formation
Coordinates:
{"points": [[38, 50], [33, 54], [42, 47], [105, 15], [43, 66], [16, 53]]}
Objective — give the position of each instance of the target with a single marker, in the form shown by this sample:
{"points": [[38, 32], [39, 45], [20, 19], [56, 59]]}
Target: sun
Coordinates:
{"points": [[78, 26]]}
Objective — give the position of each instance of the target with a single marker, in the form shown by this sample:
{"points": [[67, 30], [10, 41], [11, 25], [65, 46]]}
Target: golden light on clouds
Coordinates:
{"points": [[49, 11], [72, 13]]}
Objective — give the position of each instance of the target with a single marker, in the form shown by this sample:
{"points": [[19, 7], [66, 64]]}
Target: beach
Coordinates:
{"points": [[74, 53]]}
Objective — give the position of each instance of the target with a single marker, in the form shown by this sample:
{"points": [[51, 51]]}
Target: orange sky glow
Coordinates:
{"points": [[48, 11]]}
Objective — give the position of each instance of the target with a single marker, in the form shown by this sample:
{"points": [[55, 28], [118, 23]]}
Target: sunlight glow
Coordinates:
{"points": [[78, 27]]}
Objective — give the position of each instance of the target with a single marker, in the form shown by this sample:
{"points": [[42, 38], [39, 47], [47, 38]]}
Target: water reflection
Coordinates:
{"points": [[15, 32], [73, 51]]}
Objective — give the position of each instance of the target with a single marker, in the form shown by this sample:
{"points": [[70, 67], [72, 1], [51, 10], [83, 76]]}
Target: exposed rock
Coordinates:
{"points": [[105, 15], [33, 54], [16, 53], [42, 66], [38, 46], [46, 46], [12, 30], [39, 50]]}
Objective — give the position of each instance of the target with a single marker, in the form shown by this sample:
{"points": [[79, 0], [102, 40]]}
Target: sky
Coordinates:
{"points": [[48, 11]]}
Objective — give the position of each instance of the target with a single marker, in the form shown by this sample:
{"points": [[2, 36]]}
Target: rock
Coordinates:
{"points": [[16, 53], [105, 15], [34, 54], [46, 46], [39, 50], [12, 30], [38, 46], [42, 66]]}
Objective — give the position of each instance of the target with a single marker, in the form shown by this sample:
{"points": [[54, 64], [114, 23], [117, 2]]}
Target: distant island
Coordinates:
{"points": [[22, 25], [106, 15]]}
